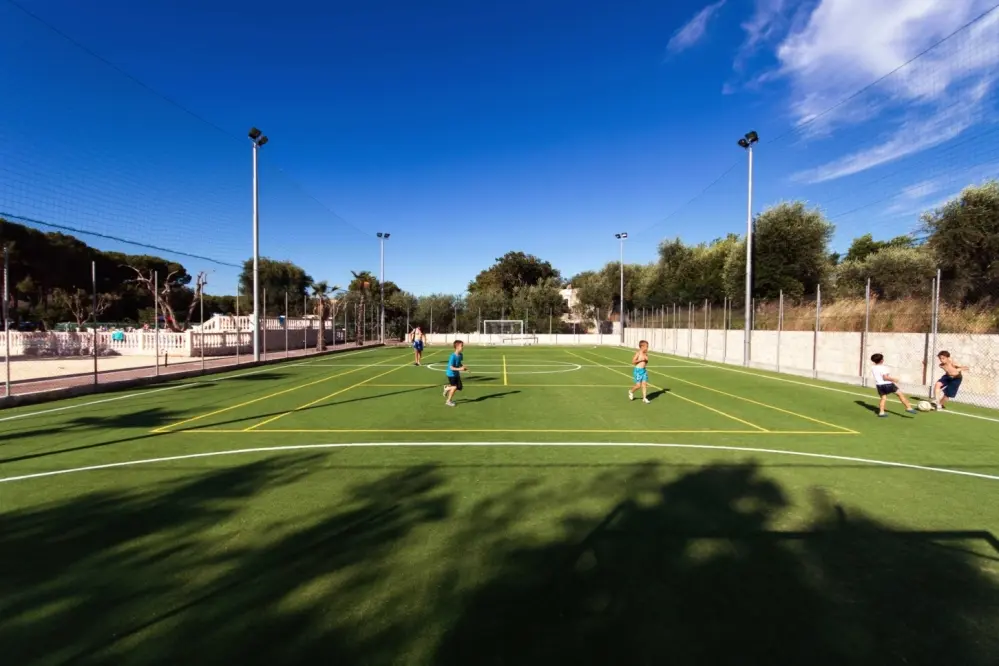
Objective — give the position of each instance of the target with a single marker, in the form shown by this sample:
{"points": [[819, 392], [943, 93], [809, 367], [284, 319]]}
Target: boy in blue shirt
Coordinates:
{"points": [[455, 366]]}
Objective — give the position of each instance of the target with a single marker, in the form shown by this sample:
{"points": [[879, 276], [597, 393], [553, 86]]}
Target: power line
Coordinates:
{"points": [[62, 227], [174, 103]]}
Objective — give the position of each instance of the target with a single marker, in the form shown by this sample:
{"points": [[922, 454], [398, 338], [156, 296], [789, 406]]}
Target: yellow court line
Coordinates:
{"points": [[171, 426], [675, 395], [327, 397], [504, 371], [511, 430], [755, 402]]}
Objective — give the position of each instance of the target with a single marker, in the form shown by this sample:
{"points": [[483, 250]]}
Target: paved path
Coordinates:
{"points": [[52, 383]]}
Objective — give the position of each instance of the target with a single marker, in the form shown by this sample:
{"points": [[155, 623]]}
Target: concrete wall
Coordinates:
{"points": [[842, 357]]}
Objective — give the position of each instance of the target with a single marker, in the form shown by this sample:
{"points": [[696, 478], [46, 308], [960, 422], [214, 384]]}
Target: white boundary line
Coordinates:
{"points": [[562, 369], [714, 366], [307, 447], [138, 394]]}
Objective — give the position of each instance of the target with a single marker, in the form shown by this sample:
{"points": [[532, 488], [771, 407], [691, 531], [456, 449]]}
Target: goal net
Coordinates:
{"points": [[506, 332]]}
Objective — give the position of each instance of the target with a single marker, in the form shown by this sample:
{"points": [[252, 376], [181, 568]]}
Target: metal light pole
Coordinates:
{"points": [[258, 139], [621, 237], [382, 237], [748, 142]]}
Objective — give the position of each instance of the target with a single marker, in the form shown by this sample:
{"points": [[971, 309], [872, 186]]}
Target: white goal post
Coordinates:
{"points": [[506, 332]]}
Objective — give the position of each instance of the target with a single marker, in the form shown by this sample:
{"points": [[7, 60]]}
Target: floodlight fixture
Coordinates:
{"points": [[254, 133], [262, 140]]}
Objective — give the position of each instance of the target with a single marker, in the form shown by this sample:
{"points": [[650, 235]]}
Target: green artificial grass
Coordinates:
{"points": [[389, 538]]}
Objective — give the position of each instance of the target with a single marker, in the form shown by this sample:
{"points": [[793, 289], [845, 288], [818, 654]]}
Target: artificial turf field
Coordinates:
{"points": [[334, 511]]}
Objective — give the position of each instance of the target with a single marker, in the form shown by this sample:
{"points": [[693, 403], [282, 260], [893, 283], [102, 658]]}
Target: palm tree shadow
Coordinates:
{"points": [[701, 576]]}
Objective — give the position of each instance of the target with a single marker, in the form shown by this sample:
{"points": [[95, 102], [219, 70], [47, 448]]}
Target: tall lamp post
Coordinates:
{"points": [[621, 237], [747, 142], [258, 139], [382, 237]]}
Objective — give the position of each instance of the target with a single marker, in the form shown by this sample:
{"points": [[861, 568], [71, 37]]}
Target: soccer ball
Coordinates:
{"points": [[924, 406]]}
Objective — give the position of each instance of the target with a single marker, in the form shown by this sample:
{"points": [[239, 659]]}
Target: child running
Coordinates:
{"points": [[418, 342], [947, 386], [455, 366], [886, 385], [640, 374]]}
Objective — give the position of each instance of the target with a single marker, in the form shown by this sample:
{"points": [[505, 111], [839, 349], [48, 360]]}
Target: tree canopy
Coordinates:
{"points": [[513, 270]]}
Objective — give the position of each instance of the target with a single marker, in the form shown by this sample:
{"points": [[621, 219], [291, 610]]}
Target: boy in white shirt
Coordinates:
{"points": [[886, 385]]}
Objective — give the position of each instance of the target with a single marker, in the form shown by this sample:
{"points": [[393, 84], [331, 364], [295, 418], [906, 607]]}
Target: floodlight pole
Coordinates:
{"points": [[747, 142], [621, 237], [258, 140]]}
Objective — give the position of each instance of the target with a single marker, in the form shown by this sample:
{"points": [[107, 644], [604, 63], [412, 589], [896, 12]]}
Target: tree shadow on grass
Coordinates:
{"points": [[695, 573], [83, 428], [127, 578]]}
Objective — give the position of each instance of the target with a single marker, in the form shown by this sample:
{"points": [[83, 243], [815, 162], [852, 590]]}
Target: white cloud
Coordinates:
{"points": [[846, 44], [694, 29], [828, 50], [761, 27]]}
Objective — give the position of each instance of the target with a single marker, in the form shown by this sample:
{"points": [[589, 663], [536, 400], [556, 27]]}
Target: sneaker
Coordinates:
{"points": [[631, 396], [911, 411], [882, 416], [645, 400], [450, 404]]}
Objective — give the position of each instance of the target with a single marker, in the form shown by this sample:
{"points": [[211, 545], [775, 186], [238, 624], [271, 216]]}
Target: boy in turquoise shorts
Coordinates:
{"points": [[640, 374]]}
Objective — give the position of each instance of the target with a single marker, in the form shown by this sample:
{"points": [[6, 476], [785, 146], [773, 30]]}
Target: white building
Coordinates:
{"points": [[569, 295]]}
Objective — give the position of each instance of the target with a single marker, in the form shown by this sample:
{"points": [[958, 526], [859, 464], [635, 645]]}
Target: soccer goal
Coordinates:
{"points": [[506, 332]]}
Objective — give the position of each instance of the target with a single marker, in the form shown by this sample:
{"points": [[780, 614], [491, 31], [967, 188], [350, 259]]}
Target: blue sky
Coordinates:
{"points": [[470, 129]]}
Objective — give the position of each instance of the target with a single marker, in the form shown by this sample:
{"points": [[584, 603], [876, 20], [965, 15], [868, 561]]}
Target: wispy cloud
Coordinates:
{"points": [[844, 45], [694, 30], [915, 134]]}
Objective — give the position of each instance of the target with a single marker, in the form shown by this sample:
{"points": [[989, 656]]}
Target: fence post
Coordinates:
{"points": [[690, 328], [201, 305], [264, 335], [707, 324], [305, 329], [431, 319], [236, 323], [935, 325], [780, 324], [725, 329], [676, 331], [867, 333], [6, 321], [93, 304], [815, 336], [156, 320]]}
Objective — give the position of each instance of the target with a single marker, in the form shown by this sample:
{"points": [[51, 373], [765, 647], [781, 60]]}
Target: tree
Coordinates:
{"points": [[488, 303], [325, 306], [790, 253], [594, 296], [864, 246], [512, 270], [169, 289], [541, 300], [964, 237], [81, 304], [895, 273], [276, 278]]}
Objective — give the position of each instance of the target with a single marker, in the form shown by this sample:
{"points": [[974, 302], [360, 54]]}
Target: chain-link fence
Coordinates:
{"points": [[833, 333]]}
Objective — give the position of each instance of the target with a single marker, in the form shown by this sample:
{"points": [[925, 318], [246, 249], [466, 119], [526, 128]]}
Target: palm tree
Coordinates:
{"points": [[325, 305], [362, 284]]}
